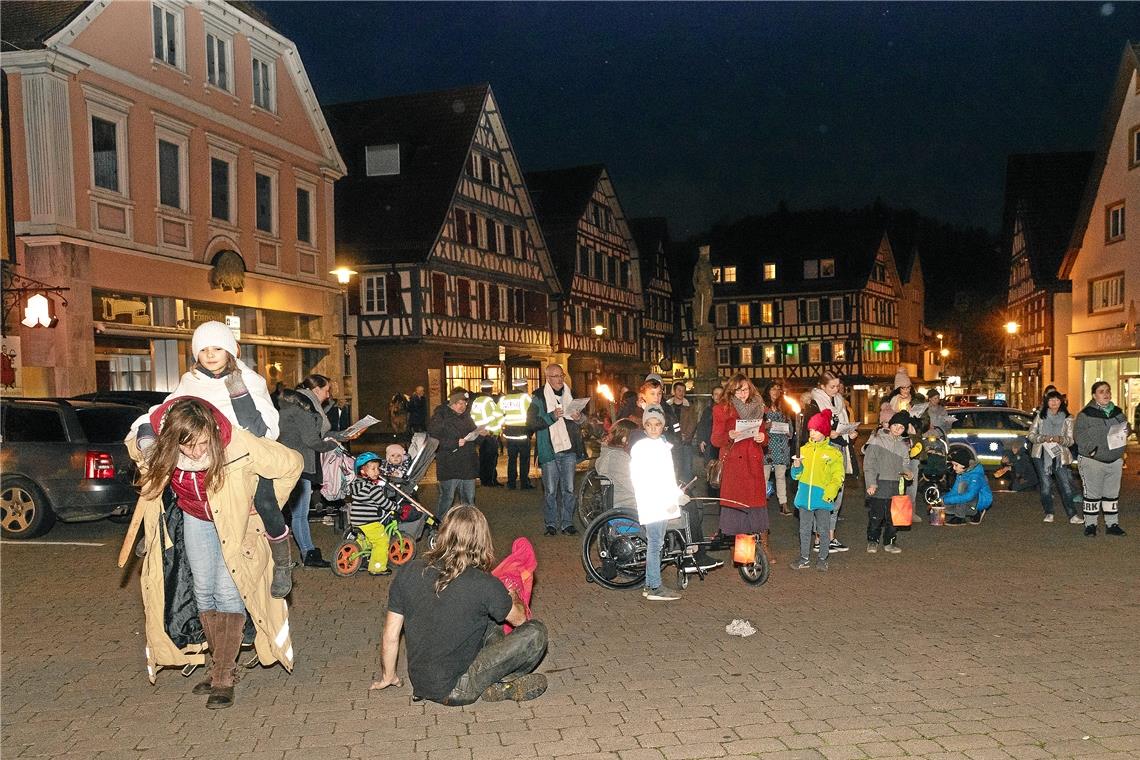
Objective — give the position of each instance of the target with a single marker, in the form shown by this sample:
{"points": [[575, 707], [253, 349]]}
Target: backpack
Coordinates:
{"points": [[336, 473]]}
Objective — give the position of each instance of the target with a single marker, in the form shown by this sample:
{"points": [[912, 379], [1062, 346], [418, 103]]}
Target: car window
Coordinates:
{"points": [[27, 425], [990, 420], [965, 420], [107, 425], [1018, 421]]}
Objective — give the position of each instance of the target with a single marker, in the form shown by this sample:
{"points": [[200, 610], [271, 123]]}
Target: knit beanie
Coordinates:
{"points": [[961, 456], [652, 413], [821, 422], [901, 379], [214, 334], [900, 418]]}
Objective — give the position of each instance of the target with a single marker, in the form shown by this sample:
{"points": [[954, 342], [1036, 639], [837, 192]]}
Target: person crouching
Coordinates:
{"points": [[970, 496]]}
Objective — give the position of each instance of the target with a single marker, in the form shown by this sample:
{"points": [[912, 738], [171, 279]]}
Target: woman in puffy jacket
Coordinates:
{"points": [[1100, 432]]}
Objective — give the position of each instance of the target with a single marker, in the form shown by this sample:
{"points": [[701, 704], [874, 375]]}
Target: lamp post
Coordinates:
{"points": [[1011, 328], [344, 276]]}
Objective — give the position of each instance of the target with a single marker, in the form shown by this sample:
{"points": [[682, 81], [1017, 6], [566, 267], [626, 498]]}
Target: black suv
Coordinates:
{"points": [[63, 459]]}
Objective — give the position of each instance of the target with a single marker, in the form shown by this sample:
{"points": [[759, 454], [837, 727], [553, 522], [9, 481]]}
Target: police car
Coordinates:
{"points": [[990, 431]]}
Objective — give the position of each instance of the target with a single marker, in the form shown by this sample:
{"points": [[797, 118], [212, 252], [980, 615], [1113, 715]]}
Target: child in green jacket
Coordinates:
{"points": [[819, 469]]}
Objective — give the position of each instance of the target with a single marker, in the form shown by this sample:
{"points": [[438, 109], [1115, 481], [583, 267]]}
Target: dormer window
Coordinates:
{"points": [[166, 22], [730, 274], [382, 160], [769, 271], [827, 267]]}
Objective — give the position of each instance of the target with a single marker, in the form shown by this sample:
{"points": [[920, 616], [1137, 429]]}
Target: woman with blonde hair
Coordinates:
{"points": [[452, 608], [826, 395], [197, 484], [743, 485]]}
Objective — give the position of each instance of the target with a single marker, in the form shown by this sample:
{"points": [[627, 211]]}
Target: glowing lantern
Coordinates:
{"points": [[36, 313], [744, 550]]}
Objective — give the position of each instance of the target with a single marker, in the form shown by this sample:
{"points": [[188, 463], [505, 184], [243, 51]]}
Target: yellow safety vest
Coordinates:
{"points": [[485, 413], [514, 407]]}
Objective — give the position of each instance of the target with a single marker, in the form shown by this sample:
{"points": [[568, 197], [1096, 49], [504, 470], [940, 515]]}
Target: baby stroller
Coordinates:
{"points": [[934, 473], [412, 522]]}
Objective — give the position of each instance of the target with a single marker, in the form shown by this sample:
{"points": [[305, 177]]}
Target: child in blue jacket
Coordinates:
{"points": [[970, 496]]}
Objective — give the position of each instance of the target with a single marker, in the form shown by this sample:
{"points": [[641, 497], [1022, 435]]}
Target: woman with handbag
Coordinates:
{"points": [[886, 461], [743, 485]]}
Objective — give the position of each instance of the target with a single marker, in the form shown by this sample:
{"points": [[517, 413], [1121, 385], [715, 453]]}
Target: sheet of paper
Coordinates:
{"points": [[748, 426], [474, 433], [359, 426], [577, 406], [1117, 436], [846, 428], [780, 428]]}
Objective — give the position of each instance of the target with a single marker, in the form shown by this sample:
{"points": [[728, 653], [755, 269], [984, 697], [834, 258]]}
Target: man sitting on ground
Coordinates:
{"points": [[453, 609]]}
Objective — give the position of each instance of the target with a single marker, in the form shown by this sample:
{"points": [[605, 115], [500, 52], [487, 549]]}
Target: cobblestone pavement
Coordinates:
{"points": [[1014, 639]]}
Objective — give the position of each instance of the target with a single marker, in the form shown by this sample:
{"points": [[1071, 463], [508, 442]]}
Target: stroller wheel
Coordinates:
{"points": [[348, 559], [401, 550]]}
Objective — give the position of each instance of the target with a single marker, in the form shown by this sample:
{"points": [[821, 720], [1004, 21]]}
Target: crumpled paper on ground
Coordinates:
{"points": [[740, 628]]}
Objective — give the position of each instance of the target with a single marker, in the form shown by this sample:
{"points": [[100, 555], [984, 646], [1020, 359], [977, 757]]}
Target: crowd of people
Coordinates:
{"points": [[223, 463]]}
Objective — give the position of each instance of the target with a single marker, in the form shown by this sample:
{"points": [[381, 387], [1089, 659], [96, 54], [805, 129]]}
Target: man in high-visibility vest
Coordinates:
{"points": [[485, 413], [514, 406]]}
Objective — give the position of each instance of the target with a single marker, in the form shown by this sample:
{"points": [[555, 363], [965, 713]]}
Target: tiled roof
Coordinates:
{"points": [[25, 25], [1046, 190], [383, 220], [560, 198], [787, 239]]}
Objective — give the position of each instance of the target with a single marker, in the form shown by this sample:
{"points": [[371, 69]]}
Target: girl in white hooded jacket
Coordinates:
{"points": [[220, 377]]}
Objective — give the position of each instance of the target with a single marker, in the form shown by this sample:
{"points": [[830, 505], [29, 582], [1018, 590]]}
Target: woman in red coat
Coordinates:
{"points": [[742, 480]]}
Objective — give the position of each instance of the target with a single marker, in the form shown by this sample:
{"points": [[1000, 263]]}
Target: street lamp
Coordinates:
{"points": [[1012, 327], [599, 330], [944, 352], [344, 276]]}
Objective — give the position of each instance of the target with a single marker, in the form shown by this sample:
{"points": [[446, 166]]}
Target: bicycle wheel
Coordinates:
{"points": [[348, 558], [591, 497], [756, 573], [613, 550]]}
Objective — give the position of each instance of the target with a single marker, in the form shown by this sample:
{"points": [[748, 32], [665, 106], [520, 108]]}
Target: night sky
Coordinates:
{"points": [[709, 111]]}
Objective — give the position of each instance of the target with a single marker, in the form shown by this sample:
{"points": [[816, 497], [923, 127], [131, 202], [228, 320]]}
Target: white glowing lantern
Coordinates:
{"points": [[36, 313]]}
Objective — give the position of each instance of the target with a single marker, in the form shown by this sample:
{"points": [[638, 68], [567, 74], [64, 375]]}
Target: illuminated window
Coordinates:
{"points": [[815, 353], [767, 313], [827, 267], [730, 274], [769, 354], [746, 355], [769, 271], [743, 315], [838, 351]]}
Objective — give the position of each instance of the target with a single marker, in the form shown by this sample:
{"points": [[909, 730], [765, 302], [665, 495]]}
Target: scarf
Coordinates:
{"points": [[748, 410], [838, 414], [559, 435], [326, 426]]}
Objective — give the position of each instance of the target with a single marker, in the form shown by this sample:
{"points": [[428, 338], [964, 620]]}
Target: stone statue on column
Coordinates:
{"points": [[704, 330]]}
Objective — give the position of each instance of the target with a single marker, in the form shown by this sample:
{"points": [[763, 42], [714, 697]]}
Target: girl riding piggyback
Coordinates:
{"points": [[221, 378]]}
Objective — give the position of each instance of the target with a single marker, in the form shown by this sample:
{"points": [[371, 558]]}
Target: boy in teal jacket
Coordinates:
{"points": [[970, 496], [819, 469]]}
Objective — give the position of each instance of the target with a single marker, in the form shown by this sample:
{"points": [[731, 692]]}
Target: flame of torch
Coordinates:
{"points": [[605, 392], [791, 402]]}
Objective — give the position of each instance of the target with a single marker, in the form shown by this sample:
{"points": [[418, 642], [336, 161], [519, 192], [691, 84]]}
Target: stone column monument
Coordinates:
{"points": [[703, 329]]}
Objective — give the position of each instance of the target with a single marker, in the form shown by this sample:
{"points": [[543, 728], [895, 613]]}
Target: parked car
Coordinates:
{"points": [[63, 460], [142, 399], [989, 430]]}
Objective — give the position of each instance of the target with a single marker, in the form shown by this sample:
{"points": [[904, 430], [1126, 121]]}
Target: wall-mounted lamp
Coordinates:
{"points": [[38, 312], [343, 275], [599, 330]]}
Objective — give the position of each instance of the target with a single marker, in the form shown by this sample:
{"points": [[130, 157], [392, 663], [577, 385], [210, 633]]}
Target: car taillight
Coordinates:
{"points": [[99, 465]]}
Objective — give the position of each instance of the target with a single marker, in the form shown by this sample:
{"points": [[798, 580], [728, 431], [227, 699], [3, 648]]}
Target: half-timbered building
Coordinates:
{"points": [[796, 294], [599, 317], [455, 284], [659, 331], [1042, 196]]}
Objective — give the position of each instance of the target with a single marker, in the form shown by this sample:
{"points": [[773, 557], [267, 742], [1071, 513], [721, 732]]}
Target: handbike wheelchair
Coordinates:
{"points": [[614, 546]]}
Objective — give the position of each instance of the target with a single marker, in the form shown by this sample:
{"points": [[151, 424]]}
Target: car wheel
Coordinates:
{"points": [[24, 510], [123, 519]]}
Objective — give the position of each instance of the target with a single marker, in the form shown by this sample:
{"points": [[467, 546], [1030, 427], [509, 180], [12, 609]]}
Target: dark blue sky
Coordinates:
{"points": [[706, 111]]}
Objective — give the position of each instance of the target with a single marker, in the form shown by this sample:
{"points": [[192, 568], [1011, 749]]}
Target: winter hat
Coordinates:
{"points": [[961, 456], [654, 376], [652, 413], [821, 422], [901, 379], [486, 385], [458, 393], [900, 418], [214, 334], [519, 382]]}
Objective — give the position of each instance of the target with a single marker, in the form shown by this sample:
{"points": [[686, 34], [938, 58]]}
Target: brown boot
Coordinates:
{"points": [[209, 627], [785, 510], [764, 547], [224, 672], [282, 566]]}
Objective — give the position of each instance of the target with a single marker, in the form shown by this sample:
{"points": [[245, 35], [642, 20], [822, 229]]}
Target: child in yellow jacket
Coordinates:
{"points": [[819, 469]]}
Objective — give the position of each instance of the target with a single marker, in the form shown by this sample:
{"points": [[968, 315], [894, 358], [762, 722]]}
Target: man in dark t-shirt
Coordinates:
{"points": [[457, 651]]}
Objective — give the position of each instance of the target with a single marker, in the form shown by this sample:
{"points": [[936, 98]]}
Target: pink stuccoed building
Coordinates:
{"points": [[169, 165]]}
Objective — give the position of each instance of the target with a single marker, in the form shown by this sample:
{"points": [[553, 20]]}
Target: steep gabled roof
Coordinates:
{"points": [[25, 24], [787, 239], [651, 233], [1045, 191], [394, 219], [1129, 64]]}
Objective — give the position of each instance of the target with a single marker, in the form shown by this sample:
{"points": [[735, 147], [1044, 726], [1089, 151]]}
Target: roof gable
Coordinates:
{"points": [[1129, 65], [1043, 191]]}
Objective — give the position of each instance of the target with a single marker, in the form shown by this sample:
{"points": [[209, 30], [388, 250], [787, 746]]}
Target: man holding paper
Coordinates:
{"points": [[554, 415], [456, 461]]}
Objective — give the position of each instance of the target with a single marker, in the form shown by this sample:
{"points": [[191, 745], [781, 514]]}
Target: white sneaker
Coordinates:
{"points": [[1076, 520], [892, 549], [1048, 518], [661, 595]]}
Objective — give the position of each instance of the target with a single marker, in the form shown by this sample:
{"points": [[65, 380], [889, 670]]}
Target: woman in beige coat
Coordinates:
{"points": [[208, 470]]}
